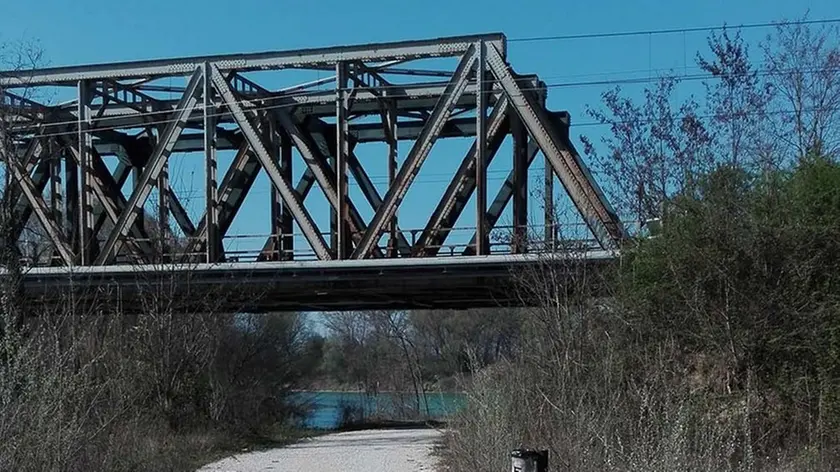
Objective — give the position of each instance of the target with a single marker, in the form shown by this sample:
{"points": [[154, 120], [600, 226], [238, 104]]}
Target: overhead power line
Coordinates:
{"points": [[617, 34]]}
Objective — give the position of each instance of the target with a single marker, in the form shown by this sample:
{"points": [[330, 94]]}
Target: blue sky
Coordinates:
{"points": [[74, 32]]}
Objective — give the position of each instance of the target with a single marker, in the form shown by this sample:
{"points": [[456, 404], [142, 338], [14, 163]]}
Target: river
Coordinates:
{"points": [[328, 410]]}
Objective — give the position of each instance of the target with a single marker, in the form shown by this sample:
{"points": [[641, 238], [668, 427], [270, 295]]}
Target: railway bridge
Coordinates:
{"points": [[91, 175]]}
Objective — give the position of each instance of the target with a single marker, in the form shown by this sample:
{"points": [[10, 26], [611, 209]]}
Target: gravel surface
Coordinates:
{"points": [[389, 450]]}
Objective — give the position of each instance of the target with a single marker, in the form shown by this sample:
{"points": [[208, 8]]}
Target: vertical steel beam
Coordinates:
{"points": [[56, 187], [136, 177], [505, 193], [393, 143], [273, 250], [324, 137], [163, 210], [71, 201], [238, 180], [111, 200], [87, 244], [314, 157], [254, 139], [548, 207], [483, 242], [159, 156], [342, 149], [520, 184], [211, 194], [578, 183], [431, 130], [287, 240]]}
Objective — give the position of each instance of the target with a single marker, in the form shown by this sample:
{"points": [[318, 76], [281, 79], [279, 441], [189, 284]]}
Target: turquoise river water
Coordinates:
{"points": [[328, 408]]}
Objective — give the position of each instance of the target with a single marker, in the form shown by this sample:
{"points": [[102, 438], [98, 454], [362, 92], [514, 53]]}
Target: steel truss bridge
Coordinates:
{"points": [[101, 232]]}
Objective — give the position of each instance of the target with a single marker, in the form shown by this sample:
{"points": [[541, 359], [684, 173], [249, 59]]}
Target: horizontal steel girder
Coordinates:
{"points": [[302, 59], [409, 98]]}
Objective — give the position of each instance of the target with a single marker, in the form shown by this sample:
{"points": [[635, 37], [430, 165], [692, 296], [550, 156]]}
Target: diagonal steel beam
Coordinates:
{"points": [[570, 169], [255, 140], [322, 142], [42, 211], [235, 185], [317, 163], [314, 155], [503, 196], [153, 168], [111, 200], [462, 185], [40, 178], [180, 214], [418, 153], [31, 157], [323, 135], [120, 177]]}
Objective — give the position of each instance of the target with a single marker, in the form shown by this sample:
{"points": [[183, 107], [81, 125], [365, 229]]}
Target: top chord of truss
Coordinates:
{"points": [[313, 58]]}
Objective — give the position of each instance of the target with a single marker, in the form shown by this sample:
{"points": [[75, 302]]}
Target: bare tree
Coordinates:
{"points": [[803, 70]]}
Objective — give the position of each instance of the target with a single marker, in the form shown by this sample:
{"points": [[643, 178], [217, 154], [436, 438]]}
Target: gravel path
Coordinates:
{"points": [[388, 450]]}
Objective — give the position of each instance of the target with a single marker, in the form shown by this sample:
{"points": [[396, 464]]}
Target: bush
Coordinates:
{"points": [[86, 387], [715, 349]]}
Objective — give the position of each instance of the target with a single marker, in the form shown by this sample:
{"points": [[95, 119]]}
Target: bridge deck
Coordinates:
{"points": [[441, 282]]}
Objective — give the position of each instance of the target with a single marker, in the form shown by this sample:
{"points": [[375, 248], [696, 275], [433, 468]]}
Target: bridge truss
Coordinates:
{"points": [[131, 114]]}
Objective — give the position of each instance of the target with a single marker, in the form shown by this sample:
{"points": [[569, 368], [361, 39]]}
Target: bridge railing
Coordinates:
{"points": [[459, 241]]}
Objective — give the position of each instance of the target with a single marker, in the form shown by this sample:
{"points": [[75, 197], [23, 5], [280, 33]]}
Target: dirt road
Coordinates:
{"points": [[388, 450]]}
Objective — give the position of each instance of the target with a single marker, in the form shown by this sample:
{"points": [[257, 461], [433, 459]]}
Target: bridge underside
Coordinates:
{"points": [[431, 283]]}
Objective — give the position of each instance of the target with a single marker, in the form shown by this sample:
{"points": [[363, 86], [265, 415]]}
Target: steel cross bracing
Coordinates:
{"points": [[132, 116]]}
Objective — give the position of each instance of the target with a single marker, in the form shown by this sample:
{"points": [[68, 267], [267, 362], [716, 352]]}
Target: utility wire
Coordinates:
{"points": [[617, 34]]}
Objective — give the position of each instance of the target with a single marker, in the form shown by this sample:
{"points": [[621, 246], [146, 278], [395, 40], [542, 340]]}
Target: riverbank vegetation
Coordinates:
{"points": [[717, 344]]}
